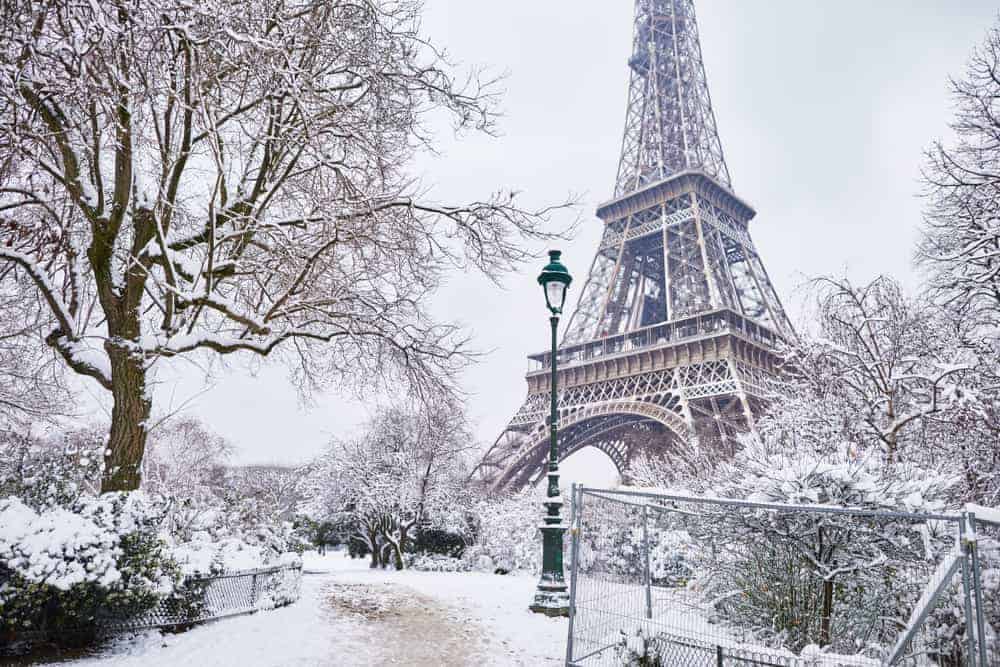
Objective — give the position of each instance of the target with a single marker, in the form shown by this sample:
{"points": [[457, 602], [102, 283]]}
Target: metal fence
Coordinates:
{"points": [[197, 599], [661, 580], [209, 597]]}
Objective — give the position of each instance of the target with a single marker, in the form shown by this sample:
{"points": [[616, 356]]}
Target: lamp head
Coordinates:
{"points": [[555, 279]]}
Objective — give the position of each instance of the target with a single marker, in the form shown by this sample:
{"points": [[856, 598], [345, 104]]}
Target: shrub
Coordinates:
{"points": [[438, 563], [439, 542], [53, 472], [356, 548], [798, 578], [641, 650], [64, 571]]}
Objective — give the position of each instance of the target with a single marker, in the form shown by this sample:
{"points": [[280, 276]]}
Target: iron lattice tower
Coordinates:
{"points": [[673, 340]]}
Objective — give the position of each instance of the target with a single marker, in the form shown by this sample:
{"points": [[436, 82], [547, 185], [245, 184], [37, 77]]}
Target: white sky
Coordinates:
{"points": [[823, 108]]}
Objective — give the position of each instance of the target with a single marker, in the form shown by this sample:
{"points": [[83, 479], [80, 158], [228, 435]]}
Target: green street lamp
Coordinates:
{"points": [[551, 597]]}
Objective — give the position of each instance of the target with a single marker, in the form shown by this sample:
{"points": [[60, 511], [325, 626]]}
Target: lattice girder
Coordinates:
{"points": [[677, 329], [669, 122], [681, 248]]}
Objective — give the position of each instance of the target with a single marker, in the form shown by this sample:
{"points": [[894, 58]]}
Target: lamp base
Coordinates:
{"points": [[551, 599]]}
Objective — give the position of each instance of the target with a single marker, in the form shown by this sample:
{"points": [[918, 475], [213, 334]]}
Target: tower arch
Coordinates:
{"points": [[620, 429]]}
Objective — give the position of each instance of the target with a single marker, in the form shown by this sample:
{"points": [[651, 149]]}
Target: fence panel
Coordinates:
{"points": [[693, 582], [208, 597]]}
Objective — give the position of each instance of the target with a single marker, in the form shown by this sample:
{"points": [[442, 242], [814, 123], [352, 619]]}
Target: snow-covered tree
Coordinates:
{"points": [[899, 376], [960, 246], [32, 383], [878, 370], [960, 253], [261, 497], [184, 466], [878, 362], [966, 435], [405, 469], [217, 177]]}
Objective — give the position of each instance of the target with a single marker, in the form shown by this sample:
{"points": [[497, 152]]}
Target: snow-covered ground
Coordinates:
{"points": [[350, 615]]}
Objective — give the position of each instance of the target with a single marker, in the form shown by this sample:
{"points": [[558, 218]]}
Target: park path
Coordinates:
{"points": [[404, 627], [350, 616]]}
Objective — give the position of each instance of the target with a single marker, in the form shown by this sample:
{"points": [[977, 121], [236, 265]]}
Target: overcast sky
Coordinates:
{"points": [[823, 108]]}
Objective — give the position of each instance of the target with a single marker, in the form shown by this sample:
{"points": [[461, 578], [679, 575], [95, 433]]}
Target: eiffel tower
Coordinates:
{"points": [[672, 343]]}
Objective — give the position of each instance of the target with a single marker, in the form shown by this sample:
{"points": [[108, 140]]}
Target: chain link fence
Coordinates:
{"points": [[663, 580]]}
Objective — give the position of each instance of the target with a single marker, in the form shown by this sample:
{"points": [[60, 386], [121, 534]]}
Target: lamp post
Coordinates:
{"points": [[551, 597]]}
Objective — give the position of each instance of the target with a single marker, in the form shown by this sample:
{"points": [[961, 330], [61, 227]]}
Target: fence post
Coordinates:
{"points": [[967, 589], [718, 656], [977, 588], [645, 550], [576, 520]]}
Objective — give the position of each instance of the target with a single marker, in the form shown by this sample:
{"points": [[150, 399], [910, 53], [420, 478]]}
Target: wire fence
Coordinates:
{"points": [[208, 597], [696, 582]]}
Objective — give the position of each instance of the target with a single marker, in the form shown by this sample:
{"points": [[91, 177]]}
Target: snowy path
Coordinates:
{"points": [[352, 616]]}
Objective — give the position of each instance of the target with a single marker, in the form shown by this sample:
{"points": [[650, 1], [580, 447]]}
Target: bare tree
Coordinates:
{"points": [[32, 381], [960, 251], [264, 494], [960, 246], [879, 357], [184, 465], [229, 176]]}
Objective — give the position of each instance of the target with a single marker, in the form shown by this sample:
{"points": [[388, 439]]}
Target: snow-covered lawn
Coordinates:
{"points": [[350, 615]]}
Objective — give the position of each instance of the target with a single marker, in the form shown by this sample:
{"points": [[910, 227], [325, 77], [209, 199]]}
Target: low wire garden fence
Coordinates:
{"points": [[661, 580], [208, 597]]}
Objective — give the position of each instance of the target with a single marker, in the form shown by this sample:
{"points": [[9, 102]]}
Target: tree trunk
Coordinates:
{"points": [[375, 548], [129, 421], [397, 549], [824, 627]]}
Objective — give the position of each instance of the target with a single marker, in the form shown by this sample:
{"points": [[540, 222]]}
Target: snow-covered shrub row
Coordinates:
{"points": [[219, 542], [438, 563], [441, 542], [204, 555], [67, 568]]}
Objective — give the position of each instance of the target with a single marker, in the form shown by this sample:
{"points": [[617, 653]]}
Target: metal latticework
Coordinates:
{"points": [[671, 348], [693, 582], [669, 123], [207, 597]]}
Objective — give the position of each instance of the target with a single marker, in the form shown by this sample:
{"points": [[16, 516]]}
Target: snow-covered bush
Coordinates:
{"points": [[506, 533], [613, 542], [218, 550], [669, 557], [67, 568], [800, 578], [946, 623], [643, 649], [53, 471], [439, 542], [428, 562]]}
